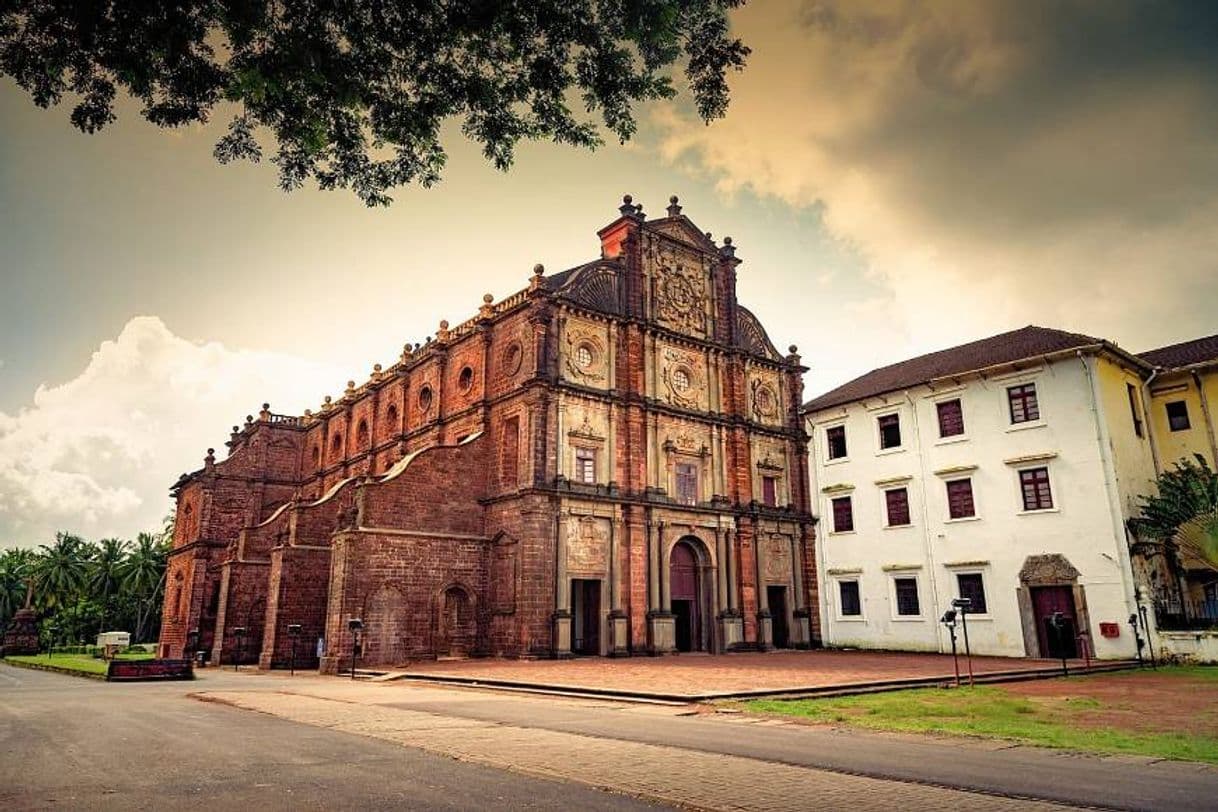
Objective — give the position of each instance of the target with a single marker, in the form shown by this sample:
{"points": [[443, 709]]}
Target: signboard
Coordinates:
{"points": [[1110, 630], [131, 670]]}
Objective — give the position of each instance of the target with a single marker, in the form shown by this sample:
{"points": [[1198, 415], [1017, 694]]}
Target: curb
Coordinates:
{"points": [[71, 672]]}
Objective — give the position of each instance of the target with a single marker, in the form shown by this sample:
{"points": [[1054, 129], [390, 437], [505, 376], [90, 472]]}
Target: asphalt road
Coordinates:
{"points": [[70, 743]]}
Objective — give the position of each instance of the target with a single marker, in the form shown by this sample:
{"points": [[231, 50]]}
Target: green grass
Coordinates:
{"points": [[991, 712], [72, 662]]}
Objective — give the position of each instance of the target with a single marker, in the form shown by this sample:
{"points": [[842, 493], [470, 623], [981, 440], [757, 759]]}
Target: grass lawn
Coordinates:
{"points": [[1168, 713], [73, 662]]}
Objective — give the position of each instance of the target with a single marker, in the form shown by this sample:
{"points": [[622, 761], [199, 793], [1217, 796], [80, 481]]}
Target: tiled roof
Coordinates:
{"points": [[1005, 348], [1184, 354]]}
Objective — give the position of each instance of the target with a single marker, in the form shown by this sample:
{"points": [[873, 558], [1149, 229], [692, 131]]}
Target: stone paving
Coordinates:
{"points": [[701, 674], [686, 778]]}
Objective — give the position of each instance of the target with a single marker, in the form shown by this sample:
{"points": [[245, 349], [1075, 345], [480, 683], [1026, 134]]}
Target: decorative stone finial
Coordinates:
{"points": [[793, 349], [710, 236], [265, 414], [673, 208], [308, 412], [539, 269], [376, 367], [236, 429], [249, 418], [727, 240], [486, 311], [350, 386], [210, 459], [627, 207], [443, 324], [728, 250], [266, 407], [487, 298]]}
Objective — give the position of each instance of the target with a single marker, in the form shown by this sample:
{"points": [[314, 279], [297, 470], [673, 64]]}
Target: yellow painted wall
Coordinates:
{"points": [[1175, 445], [1131, 454]]}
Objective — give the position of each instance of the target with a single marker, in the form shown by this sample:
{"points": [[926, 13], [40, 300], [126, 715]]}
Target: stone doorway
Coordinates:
{"points": [[686, 596], [1049, 583], [585, 616], [1046, 602], [776, 596], [457, 629]]}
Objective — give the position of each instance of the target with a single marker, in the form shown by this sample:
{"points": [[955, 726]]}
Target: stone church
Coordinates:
{"points": [[608, 462]]}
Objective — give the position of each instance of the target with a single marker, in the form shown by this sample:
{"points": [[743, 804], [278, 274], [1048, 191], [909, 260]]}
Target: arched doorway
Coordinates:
{"points": [[688, 598], [457, 629]]}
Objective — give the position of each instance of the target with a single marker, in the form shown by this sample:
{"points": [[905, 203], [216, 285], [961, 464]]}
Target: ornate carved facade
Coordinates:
{"points": [[607, 462]]}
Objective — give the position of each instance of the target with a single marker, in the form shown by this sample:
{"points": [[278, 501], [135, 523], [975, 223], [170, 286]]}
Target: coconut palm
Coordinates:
{"points": [[15, 567], [1188, 490], [61, 570], [107, 572], [144, 576]]}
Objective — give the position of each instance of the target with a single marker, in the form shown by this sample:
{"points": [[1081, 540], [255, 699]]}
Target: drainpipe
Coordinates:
{"points": [[1209, 418], [1114, 504], [932, 572], [1149, 420]]}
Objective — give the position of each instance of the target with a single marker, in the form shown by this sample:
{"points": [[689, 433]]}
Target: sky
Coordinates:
{"points": [[898, 177]]}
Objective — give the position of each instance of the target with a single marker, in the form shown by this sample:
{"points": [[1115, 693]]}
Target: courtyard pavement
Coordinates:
{"points": [[702, 677]]}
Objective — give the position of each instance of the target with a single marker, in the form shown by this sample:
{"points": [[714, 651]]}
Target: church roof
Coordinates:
{"points": [[1004, 348], [1185, 354]]}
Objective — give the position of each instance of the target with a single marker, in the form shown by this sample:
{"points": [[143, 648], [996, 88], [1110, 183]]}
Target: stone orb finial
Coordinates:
{"points": [[627, 199], [211, 451], [674, 200], [487, 298], [443, 324], [376, 367], [249, 418], [539, 269], [327, 400], [236, 429], [350, 384], [727, 240], [266, 407], [793, 349]]}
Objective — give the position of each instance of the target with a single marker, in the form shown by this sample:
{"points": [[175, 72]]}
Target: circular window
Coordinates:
{"points": [[680, 380], [466, 379], [512, 358], [584, 356], [425, 398]]}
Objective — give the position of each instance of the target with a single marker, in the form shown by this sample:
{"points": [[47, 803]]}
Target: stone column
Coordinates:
{"points": [[665, 570], [562, 592], [765, 636], [619, 621], [801, 636], [662, 631]]}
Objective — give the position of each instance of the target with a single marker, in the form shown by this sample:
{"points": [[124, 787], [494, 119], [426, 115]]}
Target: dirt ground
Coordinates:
{"points": [[700, 674], [1147, 701]]}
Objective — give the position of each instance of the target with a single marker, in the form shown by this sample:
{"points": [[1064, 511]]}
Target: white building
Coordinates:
{"points": [[1002, 470]]}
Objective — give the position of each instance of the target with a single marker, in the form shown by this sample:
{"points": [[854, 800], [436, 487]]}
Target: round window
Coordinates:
{"points": [[425, 398], [512, 357], [584, 356], [680, 380], [466, 379]]}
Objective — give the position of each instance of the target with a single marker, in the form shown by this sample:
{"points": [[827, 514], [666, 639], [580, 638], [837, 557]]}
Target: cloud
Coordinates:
{"points": [[992, 164], [97, 454]]}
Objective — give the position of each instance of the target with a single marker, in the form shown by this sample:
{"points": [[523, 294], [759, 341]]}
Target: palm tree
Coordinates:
{"points": [[61, 570], [144, 576], [14, 569], [1189, 489], [107, 572]]}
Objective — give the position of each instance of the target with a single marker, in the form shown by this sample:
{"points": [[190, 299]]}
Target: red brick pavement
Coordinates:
{"points": [[700, 674]]}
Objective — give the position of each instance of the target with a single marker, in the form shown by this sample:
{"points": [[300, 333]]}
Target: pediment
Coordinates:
{"points": [[680, 228]]}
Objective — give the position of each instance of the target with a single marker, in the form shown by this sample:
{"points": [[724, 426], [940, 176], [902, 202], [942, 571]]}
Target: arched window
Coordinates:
{"points": [[336, 443], [391, 416], [316, 456], [361, 434]]}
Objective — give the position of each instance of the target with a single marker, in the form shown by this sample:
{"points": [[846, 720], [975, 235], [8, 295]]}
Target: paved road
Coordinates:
{"points": [[64, 740], [70, 743]]}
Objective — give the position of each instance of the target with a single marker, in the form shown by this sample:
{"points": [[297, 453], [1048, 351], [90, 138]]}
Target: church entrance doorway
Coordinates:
{"points": [[585, 616], [776, 596], [458, 629], [686, 596]]}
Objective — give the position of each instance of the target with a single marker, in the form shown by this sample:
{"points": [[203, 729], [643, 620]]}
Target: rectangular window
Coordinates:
{"points": [[1177, 416], [585, 465], [951, 418], [1035, 485], [836, 440], [890, 431], [897, 502], [843, 515], [849, 593], [509, 473], [1132, 392], [907, 596], [970, 586], [960, 499], [687, 483], [769, 491], [1022, 400]]}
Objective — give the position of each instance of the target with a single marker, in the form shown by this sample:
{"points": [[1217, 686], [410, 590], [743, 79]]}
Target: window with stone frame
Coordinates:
{"points": [[1022, 403], [971, 585], [1177, 416], [1135, 410], [896, 503], [835, 439], [509, 460], [906, 590], [951, 418], [687, 482], [848, 597], [890, 431], [843, 514], [585, 465], [1034, 485], [769, 491], [960, 499]]}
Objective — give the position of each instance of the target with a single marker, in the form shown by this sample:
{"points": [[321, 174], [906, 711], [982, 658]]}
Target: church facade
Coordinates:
{"points": [[609, 462]]}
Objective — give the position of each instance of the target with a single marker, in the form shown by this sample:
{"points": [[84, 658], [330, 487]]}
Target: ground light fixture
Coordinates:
{"points": [[963, 605], [294, 633], [239, 633], [949, 620], [356, 625]]}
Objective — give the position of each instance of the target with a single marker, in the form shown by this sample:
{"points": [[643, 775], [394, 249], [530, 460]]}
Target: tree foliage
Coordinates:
{"points": [[1189, 489], [81, 588], [354, 92]]}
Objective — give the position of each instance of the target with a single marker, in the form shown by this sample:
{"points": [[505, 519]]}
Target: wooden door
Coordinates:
{"points": [[683, 586], [1046, 602], [776, 596]]}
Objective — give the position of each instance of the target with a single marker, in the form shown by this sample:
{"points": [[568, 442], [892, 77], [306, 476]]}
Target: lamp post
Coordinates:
{"points": [[962, 605], [949, 620], [294, 633], [239, 633], [1138, 642], [355, 625], [192, 644], [1057, 622]]}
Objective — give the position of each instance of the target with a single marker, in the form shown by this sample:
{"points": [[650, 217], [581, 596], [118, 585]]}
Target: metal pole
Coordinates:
{"points": [[955, 656], [1149, 643], [354, 646], [968, 652], [292, 666]]}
